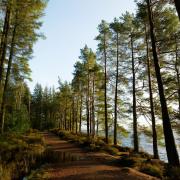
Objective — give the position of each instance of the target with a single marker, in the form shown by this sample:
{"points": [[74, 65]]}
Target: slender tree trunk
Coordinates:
{"points": [[80, 115], [87, 113], [70, 121], [90, 113], [93, 111], [177, 4], [136, 143], [73, 115], [177, 65], [172, 153], [97, 127], [65, 115], [4, 40], [116, 90], [77, 112], [105, 91], [29, 106], [2, 112], [155, 146]]}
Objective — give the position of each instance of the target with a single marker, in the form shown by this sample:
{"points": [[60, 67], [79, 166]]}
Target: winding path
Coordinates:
{"points": [[77, 164]]}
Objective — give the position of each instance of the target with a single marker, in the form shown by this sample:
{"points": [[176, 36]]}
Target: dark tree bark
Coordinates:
{"points": [[80, 114], [172, 153], [65, 115], [136, 143], [3, 46], [155, 146], [87, 114], [116, 88], [70, 120], [3, 103], [73, 115], [177, 64], [105, 91], [77, 111], [93, 109], [177, 4]]}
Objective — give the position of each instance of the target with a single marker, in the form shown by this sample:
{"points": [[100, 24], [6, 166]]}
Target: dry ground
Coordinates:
{"points": [[85, 165]]}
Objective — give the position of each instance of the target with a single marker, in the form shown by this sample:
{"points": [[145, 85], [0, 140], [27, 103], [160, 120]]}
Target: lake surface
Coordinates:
{"points": [[147, 146]]}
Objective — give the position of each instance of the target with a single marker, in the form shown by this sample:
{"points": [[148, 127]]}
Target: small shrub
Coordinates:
{"points": [[152, 170], [81, 140], [172, 173], [128, 161], [111, 150], [94, 148], [100, 142], [123, 149]]}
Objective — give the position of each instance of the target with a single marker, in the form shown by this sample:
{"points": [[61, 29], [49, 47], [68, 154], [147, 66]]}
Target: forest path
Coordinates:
{"points": [[73, 163]]}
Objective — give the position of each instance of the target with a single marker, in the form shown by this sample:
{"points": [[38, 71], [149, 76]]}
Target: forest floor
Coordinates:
{"points": [[75, 163]]}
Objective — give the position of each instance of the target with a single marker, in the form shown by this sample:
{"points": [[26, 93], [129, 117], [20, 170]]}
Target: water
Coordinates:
{"points": [[147, 146]]}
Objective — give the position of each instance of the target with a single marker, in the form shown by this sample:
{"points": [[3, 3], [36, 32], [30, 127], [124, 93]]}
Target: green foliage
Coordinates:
{"points": [[18, 120], [128, 161], [152, 170], [19, 153], [111, 150], [172, 173]]}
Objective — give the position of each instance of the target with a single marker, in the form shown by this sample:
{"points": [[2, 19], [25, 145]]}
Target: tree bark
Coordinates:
{"points": [[80, 115], [93, 110], [3, 103], [105, 91], [154, 133], [4, 40], [172, 153], [87, 114], [177, 4], [136, 143], [116, 89], [77, 111], [177, 64]]}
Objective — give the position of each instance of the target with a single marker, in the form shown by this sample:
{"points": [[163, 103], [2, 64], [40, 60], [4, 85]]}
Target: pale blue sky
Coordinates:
{"points": [[68, 26]]}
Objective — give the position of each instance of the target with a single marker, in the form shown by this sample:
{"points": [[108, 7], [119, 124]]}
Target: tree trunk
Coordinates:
{"points": [[3, 103], [65, 115], [105, 91], [116, 89], [73, 115], [80, 115], [177, 64], [177, 4], [93, 111], [172, 153], [4, 44], [155, 146], [70, 120], [77, 111], [136, 143], [87, 114]]}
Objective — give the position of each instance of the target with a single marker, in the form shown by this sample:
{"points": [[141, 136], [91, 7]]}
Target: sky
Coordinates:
{"points": [[68, 25]]}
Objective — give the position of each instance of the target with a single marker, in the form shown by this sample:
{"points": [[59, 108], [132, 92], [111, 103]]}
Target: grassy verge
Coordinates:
{"points": [[18, 153], [127, 157]]}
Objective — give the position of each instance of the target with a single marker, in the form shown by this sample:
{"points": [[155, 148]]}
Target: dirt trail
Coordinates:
{"points": [[87, 166]]}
